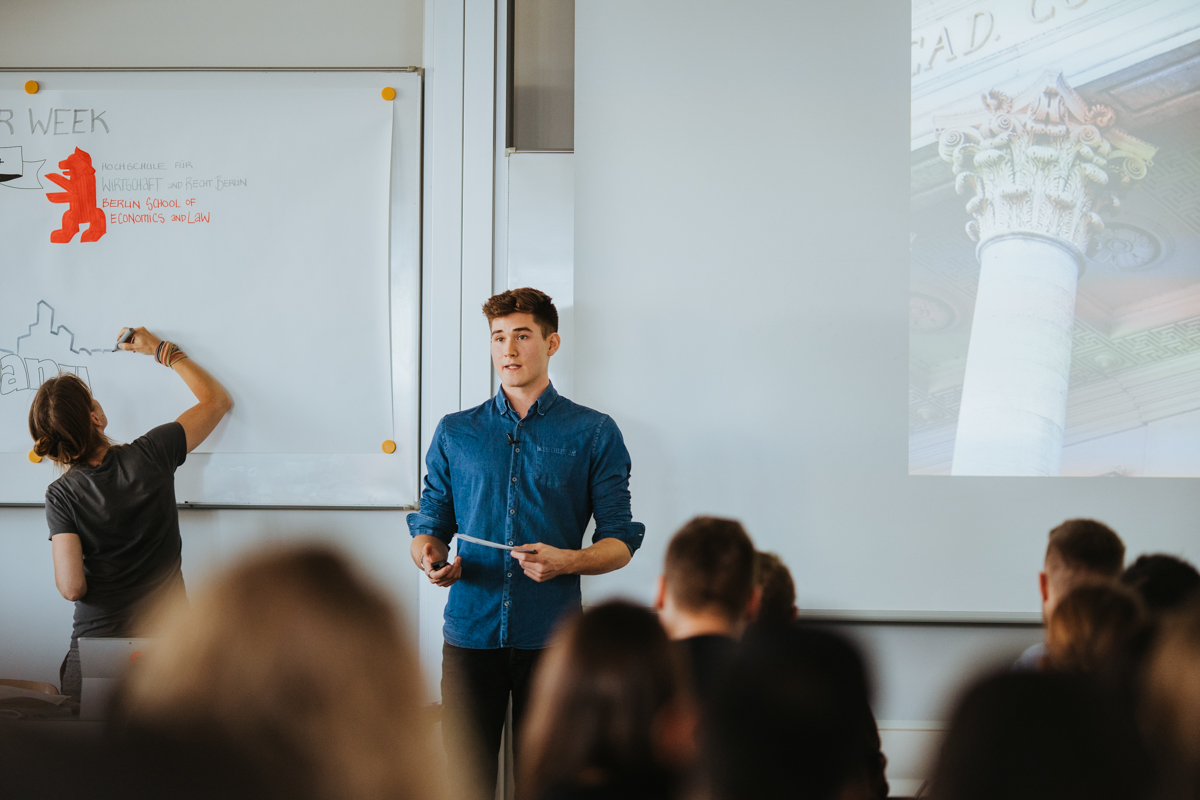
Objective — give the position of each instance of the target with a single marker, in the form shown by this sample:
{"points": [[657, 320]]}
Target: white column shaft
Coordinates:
{"points": [[1014, 401]]}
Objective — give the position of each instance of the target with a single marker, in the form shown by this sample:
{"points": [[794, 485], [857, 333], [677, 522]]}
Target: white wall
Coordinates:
{"points": [[212, 33], [541, 243]]}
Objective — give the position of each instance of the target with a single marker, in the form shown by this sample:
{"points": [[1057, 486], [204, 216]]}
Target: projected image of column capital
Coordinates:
{"points": [[1072, 269], [1042, 162]]}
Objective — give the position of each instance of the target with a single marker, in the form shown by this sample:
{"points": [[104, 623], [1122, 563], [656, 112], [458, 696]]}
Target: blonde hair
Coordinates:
{"points": [[302, 669], [1090, 626]]}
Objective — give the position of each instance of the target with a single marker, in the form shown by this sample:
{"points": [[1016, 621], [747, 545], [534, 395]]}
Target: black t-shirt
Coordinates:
{"points": [[124, 513], [708, 656]]}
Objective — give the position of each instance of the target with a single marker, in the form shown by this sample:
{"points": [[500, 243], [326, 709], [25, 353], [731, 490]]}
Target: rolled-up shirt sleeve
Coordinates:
{"points": [[436, 514], [610, 488]]}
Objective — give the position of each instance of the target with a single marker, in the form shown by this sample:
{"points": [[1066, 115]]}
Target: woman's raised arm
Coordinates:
{"points": [[213, 401]]}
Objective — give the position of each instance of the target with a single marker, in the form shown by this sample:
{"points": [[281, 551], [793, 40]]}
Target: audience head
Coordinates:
{"points": [[707, 584], [1091, 628], [791, 719], [1163, 582], [1171, 707], [66, 423], [1038, 736], [609, 706], [300, 667], [1079, 551], [777, 603]]}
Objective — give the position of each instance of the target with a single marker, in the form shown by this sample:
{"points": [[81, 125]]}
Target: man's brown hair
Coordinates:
{"points": [[710, 566], [524, 301], [1085, 545]]}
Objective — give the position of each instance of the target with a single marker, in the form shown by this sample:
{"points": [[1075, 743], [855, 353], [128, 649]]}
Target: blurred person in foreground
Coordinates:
{"points": [[1171, 703], [1039, 736], [609, 716], [1092, 629], [1079, 551], [293, 663], [777, 601], [1164, 582], [791, 718], [707, 594]]}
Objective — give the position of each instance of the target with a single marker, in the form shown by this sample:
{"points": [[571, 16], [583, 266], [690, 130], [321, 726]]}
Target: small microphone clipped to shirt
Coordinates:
{"points": [[511, 440]]}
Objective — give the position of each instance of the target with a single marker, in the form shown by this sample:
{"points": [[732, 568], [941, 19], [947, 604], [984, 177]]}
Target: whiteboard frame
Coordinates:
{"points": [[271, 480]]}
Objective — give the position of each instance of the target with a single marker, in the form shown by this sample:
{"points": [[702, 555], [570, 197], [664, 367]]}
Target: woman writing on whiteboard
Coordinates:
{"points": [[114, 528]]}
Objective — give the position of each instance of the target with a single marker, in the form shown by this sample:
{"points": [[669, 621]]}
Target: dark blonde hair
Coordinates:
{"points": [[598, 697], [60, 422], [1090, 627], [301, 668]]}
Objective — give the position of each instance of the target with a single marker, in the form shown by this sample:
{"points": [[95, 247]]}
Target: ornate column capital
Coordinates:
{"points": [[1043, 162]]}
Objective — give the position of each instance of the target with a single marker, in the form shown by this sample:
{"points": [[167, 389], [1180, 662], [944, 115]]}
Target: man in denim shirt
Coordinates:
{"points": [[526, 469]]}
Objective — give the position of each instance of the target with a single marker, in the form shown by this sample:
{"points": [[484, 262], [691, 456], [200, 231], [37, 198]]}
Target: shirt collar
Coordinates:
{"points": [[543, 404]]}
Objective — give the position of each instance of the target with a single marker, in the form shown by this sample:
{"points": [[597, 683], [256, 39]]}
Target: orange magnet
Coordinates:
{"points": [[31, 87], [389, 446], [34, 457], [388, 93]]}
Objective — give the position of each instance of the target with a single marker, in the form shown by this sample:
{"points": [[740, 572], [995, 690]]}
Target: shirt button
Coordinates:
{"points": [[514, 480], [506, 604], [512, 511], [510, 574], [510, 542], [517, 449]]}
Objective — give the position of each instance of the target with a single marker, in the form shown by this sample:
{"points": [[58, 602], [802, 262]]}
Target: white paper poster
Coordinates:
{"points": [[251, 227]]}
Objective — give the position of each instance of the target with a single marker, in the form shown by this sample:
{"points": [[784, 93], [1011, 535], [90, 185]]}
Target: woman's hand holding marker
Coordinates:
{"points": [[143, 342], [146, 343]]}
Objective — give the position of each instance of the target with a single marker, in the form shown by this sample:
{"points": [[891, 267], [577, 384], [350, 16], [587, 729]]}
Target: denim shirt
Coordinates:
{"points": [[567, 464]]}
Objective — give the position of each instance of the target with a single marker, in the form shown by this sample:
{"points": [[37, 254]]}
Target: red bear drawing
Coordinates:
{"points": [[80, 185]]}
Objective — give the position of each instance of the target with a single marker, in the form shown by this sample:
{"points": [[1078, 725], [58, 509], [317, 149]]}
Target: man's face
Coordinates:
{"points": [[520, 354]]}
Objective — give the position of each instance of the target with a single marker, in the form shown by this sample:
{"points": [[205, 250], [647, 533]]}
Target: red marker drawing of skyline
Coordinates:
{"points": [[79, 181]]}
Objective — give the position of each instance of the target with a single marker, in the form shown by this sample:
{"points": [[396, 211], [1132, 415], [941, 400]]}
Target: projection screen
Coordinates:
{"points": [[900, 305]]}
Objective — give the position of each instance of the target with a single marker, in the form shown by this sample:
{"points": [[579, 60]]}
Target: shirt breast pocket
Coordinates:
{"points": [[554, 465]]}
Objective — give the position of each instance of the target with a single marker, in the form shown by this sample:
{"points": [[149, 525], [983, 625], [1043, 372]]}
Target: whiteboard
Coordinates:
{"points": [[268, 223]]}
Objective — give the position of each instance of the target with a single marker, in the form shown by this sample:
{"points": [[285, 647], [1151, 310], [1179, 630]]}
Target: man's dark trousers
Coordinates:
{"points": [[476, 685]]}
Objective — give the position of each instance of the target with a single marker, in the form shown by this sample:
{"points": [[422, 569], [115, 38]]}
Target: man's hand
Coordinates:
{"points": [[428, 550], [548, 562], [447, 575], [143, 342]]}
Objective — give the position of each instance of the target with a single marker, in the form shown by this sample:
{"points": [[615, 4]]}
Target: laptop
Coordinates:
{"points": [[102, 662]]}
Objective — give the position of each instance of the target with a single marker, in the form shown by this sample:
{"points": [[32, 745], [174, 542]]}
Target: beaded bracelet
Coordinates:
{"points": [[168, 354]]}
